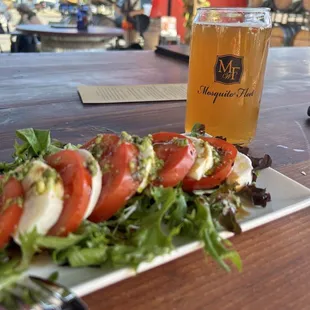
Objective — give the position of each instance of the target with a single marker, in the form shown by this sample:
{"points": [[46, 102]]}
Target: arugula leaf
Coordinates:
{"points": [[79, 249], [196, 219], [150, 233], [87, 257], [213, 243], [29, 247], [8, 300], [149, 240], [53, 277], [59, 243], [8, 265], [12, 268], [179, 210], [8, 272]]}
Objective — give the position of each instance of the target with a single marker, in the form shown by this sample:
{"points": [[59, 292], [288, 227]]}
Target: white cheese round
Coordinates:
{"points": [[43, 200], [241, 173], [96, 182]]}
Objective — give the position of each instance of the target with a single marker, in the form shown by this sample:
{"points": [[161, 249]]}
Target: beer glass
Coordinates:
{"points": [[229, 48]]}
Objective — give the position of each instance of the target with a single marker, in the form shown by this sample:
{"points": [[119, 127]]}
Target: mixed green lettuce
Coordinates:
{"points": [[145, 228]]}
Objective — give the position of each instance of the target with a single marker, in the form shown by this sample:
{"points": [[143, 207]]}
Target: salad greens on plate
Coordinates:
{"points": [[195, 204]]}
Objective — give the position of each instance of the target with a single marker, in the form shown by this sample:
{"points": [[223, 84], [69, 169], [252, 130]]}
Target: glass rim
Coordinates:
{"points": [[235, 9]]}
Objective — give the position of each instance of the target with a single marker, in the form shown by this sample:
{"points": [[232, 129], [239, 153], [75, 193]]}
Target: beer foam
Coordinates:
{"points": [[238, 24]]}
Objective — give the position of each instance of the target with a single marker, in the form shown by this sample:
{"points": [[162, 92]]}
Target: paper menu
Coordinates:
{"points": [[132, 93]]}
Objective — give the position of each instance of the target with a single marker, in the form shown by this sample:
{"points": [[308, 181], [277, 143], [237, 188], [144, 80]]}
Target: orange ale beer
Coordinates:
{"points": [[228, 55]]}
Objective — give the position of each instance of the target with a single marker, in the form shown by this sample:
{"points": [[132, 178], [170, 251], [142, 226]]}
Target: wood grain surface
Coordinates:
{"points": [[40, 91]]}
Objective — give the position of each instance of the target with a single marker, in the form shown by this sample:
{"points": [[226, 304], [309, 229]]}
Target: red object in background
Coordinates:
{"points": [[126, 25], [160, 8], [177, 10]]}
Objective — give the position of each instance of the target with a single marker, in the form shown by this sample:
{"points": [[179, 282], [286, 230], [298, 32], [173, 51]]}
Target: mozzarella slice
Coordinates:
{"points": [[43, 199], [241, 173], [204, 160], [96, 181]]}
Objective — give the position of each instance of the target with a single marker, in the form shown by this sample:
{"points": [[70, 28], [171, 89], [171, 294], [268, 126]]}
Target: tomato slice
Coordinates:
{"points": [[228, 153], [118, 183], [178, 154], [11, 208], [77, 189]]}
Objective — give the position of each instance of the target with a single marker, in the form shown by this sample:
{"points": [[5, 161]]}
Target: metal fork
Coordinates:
{"points": [[42, 294], [69, 301]]}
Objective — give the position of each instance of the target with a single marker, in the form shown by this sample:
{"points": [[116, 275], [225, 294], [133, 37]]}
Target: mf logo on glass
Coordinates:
{"points": [[228, 69]]}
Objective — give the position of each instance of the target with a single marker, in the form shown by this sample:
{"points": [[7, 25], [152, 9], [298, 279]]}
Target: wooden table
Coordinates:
{"points": [[40, 91], [67, 39]]}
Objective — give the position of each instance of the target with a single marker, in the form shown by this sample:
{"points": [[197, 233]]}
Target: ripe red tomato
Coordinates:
{"points": [[228, 153], [11, 196], [77, 189], [118, 183], [178, 154]]}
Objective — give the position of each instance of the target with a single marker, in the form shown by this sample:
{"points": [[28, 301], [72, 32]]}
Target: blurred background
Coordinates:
{"points": [[144, 23]]}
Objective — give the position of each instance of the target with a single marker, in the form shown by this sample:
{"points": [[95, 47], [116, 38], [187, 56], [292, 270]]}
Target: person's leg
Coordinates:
{"points": [[151, 36], [25, 44], [130, 37]]}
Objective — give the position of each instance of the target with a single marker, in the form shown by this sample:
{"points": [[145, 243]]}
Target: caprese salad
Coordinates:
{"points": [[109, 199]]}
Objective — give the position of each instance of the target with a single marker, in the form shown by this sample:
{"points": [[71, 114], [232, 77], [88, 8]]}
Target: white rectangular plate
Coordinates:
{"points": [[287, 197]]}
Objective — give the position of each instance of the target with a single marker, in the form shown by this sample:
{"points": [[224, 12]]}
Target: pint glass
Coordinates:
{"points": [[229, 48]]}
